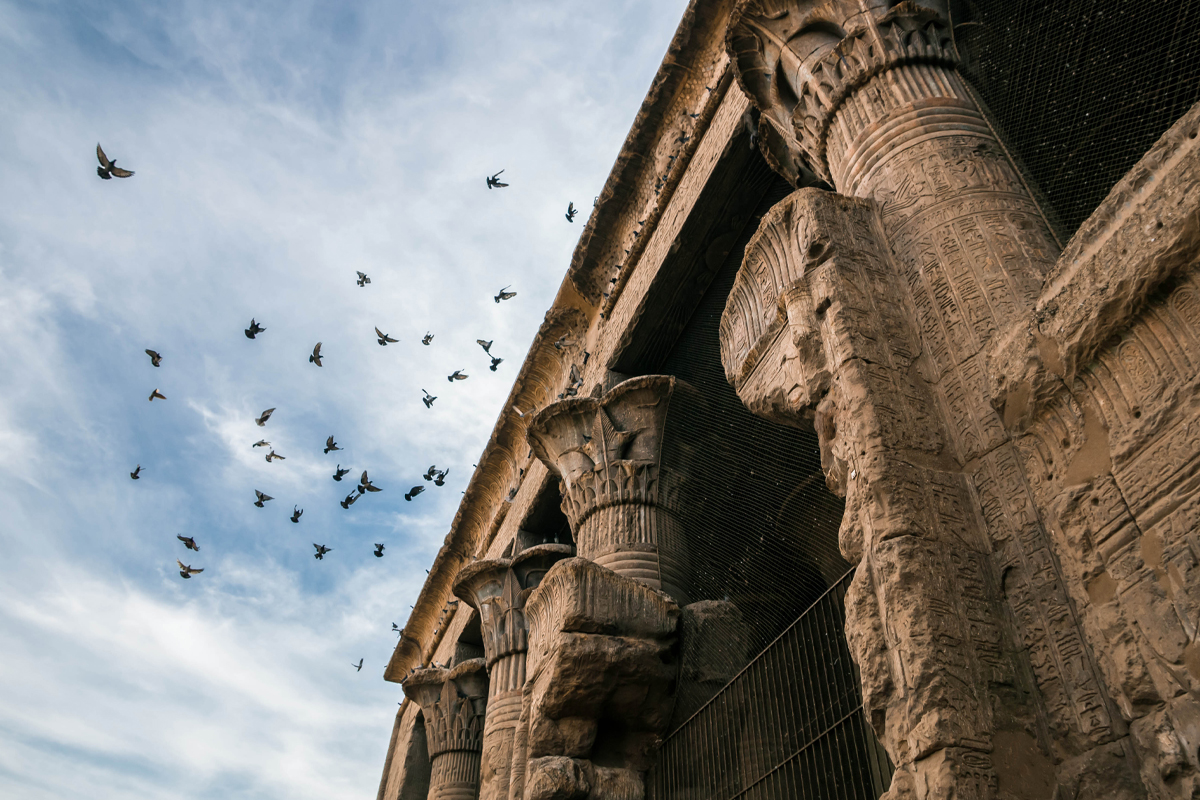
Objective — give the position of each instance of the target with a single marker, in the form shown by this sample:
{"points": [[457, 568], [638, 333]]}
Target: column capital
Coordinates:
{"points": [[799, 60], [453, 702]]}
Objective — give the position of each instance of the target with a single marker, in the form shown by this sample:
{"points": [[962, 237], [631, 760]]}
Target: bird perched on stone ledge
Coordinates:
{"points": [[321, 551], [108, 168], [413, 492]]}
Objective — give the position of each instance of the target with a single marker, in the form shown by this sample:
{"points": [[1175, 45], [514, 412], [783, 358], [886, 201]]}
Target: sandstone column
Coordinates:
{"points": [[623, 502], [874, 308], [498, 589], [453, 702]]}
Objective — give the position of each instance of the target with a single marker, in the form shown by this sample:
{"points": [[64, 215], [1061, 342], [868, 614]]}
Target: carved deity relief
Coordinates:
{"points": [[623, 502], [498, 589], [454, 704]]}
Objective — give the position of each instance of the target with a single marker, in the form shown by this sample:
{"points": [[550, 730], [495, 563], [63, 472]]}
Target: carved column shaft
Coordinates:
{"points": [[454, 704]]}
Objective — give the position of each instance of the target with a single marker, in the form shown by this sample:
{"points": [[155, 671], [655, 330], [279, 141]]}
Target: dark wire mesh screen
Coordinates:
{"points": [[763, 532], [789, 726], [1080, 89]]}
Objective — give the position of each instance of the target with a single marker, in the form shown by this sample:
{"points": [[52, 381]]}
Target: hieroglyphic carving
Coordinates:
{"points": [[624, 504]]}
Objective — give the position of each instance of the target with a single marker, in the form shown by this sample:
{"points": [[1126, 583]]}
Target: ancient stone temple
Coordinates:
{"points": [[859, 453]]}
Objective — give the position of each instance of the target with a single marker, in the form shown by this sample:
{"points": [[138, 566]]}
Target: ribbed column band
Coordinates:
{"points": [[455, 776], [507, 674], [642, 542]]}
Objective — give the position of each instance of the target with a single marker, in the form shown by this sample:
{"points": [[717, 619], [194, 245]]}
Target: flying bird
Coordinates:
{"points": [[457, 375], [158, 394], [358, 666], [262, 498], [503, 295], [254, 330], [365, 485], [430, 473], [493, 182], [571, 212], [384, 339], [363, 280], [349, 501], [413, 492], [379, 554], [155, 358], [297, 512], [186, 571], [396, 629], [263, 417], [315, 358], [337, 476], [427, 339], [428, 399], [108, 167], [487, 346], [440, 480], [495, 363], [137, 473], [330, 445], [273, 455], [261, 443], [321, 551], [188, 542]]}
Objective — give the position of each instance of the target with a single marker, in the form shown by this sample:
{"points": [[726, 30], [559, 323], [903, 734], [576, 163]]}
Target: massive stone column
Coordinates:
{"points": [[624, 503], [498, 589], [453, 703], [869, 312]]}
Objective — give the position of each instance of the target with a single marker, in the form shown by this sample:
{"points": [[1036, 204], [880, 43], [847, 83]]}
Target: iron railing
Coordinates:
{"points": [[788, 726]]}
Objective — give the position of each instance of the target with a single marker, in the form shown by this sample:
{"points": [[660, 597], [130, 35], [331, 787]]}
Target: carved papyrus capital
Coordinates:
{"points": [[624, 503], [453, 703], [798, 61]]}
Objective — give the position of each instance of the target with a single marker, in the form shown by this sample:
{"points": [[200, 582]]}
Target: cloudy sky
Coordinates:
{"points": [[279, 147]]}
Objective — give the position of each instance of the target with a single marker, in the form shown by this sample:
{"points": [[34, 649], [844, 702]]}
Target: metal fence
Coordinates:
{"points": [[789, 725]]}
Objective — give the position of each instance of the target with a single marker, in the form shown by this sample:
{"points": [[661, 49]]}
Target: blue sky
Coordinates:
{"points": [[279, 147]]}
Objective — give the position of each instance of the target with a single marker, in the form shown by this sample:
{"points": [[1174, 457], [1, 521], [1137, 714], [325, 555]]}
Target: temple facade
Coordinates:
{"points": [[847, 461]]}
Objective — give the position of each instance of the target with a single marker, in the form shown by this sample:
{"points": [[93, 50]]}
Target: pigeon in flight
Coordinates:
{"points": [[365, 485], [261, 443], [495, 363], [396, 629], [503, 295], [108, 167], [315, 358], [379, 554], [430, 473], [186, 571], [188, 542], [137, 473], [262, 498], [321, 551], [427, 339], [363, 280], [263, 417], [384, 339], [349, 501], [271, 456], [413, 492], [457, 375], [337, 476], [254, 330], [428, 399], [158, 394], [155, 358], [440, 480], [571, 212], [487, 346], [493, 182], [331, 445], [358, 666], [297, 512]]}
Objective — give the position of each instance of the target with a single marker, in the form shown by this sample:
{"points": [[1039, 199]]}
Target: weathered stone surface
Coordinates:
{"points": [[453, 703], [712, 635]]}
